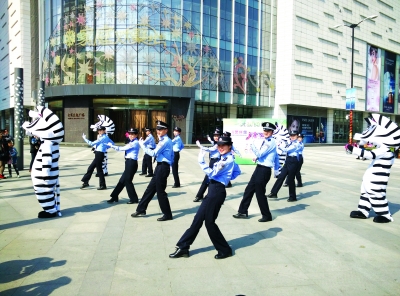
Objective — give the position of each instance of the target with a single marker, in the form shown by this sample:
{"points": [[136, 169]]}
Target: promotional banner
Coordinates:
{"points": [[373, 78], [351, 98], [312, 128], [246, 131], [389, 82]]}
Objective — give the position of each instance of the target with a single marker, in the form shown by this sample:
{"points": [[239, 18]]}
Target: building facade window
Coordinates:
{"points": [[207, 117]]}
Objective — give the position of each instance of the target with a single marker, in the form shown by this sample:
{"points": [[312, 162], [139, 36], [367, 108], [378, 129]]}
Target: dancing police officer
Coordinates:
{"points": [[147, 165], [177, 147]]}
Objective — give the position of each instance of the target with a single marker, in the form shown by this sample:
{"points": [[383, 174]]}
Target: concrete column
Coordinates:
{"points": [[41, 97], [19, 115], [329, 128], [2, 119]]}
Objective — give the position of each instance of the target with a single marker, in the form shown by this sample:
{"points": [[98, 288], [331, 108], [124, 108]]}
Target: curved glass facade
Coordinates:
{"points": [[212, 46]]}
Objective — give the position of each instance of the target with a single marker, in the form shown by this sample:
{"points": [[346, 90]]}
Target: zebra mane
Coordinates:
{"points": [[280, 133], [47, 125], [386, 132], [104, 121]]}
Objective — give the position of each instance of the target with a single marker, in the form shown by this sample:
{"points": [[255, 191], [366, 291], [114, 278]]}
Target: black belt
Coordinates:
{"points": [[216, 158], [263, 166], [162, 162], [292, 156], [130, 159], [214, 182]]}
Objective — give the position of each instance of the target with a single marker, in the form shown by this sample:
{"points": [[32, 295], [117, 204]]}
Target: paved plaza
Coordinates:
{"points": [[311, 247]]}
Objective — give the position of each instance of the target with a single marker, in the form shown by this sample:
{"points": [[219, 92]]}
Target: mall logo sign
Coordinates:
{"points": [[76, 115]]}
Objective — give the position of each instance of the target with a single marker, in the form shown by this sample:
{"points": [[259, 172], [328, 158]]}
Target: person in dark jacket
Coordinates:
{"points": [[34, 148], [4, 154]]}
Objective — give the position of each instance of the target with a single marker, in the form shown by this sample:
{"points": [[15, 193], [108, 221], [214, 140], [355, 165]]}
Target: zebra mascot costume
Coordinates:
{"points": [[45, 175], [104, 121], [384, 134], [282, 139]]}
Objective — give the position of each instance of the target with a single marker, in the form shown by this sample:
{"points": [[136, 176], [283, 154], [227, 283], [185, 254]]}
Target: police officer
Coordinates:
{"points": [[214, 157], [164, 156], [177, 147], [298, 174], [224, 170], [289, 168], [101, 148], [131, 165], [266, 156], [235, 152], [150, 143]]}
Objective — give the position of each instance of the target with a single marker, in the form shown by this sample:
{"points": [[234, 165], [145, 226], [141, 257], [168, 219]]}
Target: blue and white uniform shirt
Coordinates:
{"points": [[131, 149], [293, 149], [149, 142], [164, 151], [266, 154], [214, 153], [301, 149], [101, 143], [223, 171], [178, 144]]}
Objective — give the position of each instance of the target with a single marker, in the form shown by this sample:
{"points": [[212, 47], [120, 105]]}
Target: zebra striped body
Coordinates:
{"points": [[384, 134], [45, 171], [282, 139]]}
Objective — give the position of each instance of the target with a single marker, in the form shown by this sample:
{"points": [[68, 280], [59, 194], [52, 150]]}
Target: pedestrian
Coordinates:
{"points": [[4, 154], [235, 152], [34, 143], [131, 156], [13, 159], [177, 147], [214, 157], [150, 143], [266, 160], [101, 148], [298, 174], [289, 169], [164, 156], [224, 170], [7, 136]]}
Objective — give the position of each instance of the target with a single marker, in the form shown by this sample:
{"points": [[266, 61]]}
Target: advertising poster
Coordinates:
{"points": [[312, 128], [389, 82], [351, 98], [246, 131], [373, 78]]}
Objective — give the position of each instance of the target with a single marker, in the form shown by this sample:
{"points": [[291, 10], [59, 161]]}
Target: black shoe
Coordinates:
{"points": [[132, 202], [223, 256], [176, 186], [84, 185], [197, 199], [113, 199], [149, 176], [106, 174], [44, 215], [164, 218], [141, 174], [179, 253], [271, 195], [229, 185], [265, 219], [381, 219], [240, 215], [138, 214], [291, 200], [357, 215], [103, 187], [299, 185], [285, 185]]}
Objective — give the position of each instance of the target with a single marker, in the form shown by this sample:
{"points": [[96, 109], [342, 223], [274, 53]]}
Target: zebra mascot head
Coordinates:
{"points": [[281, 135], [381, 132], [104, 121], [46, 125]]}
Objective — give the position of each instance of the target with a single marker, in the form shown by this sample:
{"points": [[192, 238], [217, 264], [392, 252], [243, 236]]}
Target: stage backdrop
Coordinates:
{"points": [[246, 131]]}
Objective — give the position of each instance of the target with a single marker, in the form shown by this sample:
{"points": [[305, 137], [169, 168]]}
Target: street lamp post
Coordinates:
{"points": [[353, 26]]}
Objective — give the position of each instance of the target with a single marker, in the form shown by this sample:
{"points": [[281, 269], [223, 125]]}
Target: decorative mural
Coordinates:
{"points": [[108, 42]]}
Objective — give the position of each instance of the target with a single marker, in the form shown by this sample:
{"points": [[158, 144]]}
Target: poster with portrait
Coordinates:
{"points": [[313, 129], [247, 131], [373, 78], [389, 86]]}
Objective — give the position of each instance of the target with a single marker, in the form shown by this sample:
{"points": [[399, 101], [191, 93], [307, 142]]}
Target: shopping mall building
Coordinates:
{"points": [[193, 63]]}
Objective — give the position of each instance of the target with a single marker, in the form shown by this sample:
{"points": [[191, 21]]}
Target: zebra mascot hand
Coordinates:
{"points": [[45, 174], [104, 121], [384, 134]]}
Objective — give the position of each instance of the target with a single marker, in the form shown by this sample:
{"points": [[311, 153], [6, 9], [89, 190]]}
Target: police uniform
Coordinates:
{"points": [[288, 170], [298, 174], [131, 166], [147, 166], [177, 147], [228, 134], [214, 157], [266, 156], [224, 170], [101, 148], [164, 156]]}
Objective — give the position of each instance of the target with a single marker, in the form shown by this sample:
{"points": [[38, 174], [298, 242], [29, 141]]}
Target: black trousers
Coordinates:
{"points": [[256, 185], [288, 170], [131, 167], [208, 212], [147, 165], [175, 167], [98, 164], [298, 174], [206, 181], [157, 185]]}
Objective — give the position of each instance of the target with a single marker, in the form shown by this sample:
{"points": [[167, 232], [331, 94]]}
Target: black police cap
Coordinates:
{"points": [[224, 141], [268, 126], [293, 133], [161, 125], [133, 131], [178, 129]]}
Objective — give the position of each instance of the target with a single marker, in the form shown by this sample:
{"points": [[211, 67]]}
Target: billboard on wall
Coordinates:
{"points": [[389, 82], [247, 131], [312, 128], [373, 78]]}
